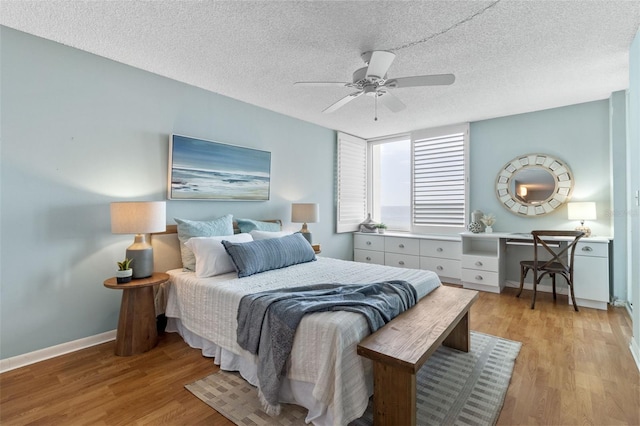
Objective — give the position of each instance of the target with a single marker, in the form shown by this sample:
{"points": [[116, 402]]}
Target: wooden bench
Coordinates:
{"points": [[401, 347]]}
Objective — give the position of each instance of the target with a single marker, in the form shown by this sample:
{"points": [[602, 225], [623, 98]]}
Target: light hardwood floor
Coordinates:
{"points": [[573, 368]]}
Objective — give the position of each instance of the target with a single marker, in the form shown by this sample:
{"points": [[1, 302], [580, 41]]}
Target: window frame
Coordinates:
{"points": [[413, 137]]}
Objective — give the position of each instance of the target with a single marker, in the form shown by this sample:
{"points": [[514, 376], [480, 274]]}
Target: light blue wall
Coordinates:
{"points": [[577, 134], [618, 126], [78, 132], [633, 155]]}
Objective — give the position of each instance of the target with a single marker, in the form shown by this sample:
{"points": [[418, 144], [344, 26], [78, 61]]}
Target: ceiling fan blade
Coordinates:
{"points": [[379, 63], [322, 83], [421, 80], [391, 101], [342, 102]]}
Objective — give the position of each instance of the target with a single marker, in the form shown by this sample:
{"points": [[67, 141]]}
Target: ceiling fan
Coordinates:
{"points": [[372, 80]]}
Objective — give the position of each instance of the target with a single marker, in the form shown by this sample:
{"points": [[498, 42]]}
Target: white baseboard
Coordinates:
{"points": [[18, 361], [635, 351]]}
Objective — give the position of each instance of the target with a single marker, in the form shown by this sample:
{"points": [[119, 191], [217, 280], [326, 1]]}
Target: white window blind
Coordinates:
{"points": [[351, 182], [439, 178]]}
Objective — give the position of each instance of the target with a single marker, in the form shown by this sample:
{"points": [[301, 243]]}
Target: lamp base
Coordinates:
{"points": [[305, 233], [141, 254], [585, 229]]}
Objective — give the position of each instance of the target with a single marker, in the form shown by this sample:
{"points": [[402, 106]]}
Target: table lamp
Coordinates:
{"points": [[305, 213], [582, 211], [139, 217]]}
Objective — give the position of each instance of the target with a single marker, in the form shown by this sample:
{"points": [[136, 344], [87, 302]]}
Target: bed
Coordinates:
{"points": [[325, 374]]}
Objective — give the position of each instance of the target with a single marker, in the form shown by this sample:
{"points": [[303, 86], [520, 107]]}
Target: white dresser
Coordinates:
{"points": [[484, 260], [438, 253], [483, 266], [591, 273]]}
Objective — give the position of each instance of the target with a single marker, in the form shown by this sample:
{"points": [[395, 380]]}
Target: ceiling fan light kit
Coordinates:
{"points": [[372, 80]]}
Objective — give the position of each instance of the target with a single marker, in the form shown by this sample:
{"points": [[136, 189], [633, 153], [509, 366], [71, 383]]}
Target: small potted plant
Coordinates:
{"points": [[124, 272], [381, 228]]}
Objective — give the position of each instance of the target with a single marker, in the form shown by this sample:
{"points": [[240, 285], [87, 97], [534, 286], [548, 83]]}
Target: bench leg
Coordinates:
{"points": [[459, 338], [394, 396]]}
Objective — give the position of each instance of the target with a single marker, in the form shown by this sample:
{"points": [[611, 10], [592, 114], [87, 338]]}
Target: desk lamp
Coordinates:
{"points": [[305, 213], [582, 211], [139, 217]]}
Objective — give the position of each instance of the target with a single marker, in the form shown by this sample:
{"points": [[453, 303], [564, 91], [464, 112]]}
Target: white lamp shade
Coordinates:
{"points": [[582, 211], [305, 213], [138, 217]]}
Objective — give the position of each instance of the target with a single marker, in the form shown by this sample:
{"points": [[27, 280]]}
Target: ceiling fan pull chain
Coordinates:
{"points": [[376, 107]]}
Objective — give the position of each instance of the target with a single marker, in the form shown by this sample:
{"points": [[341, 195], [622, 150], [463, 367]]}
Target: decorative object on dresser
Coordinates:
{"points": [[534, 184], [488, 220], [582, 211], [305, 213], [205, 170], [476, 225], [381, 228], [140, 218], [368, 225]]}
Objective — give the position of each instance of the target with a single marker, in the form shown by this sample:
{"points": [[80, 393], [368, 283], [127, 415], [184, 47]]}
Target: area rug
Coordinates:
{"points": [[453, 387]]}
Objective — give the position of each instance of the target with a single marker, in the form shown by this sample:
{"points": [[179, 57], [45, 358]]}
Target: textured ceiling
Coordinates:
{"points": [[516, 56]]}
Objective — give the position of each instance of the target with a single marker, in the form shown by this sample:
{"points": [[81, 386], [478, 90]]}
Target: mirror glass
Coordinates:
{"points": [[534, 184]]}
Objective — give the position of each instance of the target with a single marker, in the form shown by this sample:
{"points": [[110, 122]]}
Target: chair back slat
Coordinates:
{"points": [[556, 255]]}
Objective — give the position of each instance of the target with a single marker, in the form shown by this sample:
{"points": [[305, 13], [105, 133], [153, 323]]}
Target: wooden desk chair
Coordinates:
{"points": [[556, 265]]}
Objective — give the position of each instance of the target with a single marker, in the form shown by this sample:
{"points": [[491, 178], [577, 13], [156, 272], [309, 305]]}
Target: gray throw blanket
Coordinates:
{"points": [[267, 321]]}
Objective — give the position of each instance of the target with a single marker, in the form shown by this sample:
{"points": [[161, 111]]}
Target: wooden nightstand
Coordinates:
{"points": [[137, 331]]}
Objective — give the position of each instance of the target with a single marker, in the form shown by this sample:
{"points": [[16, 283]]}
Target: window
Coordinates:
{"points": [[415, 182], [440, 179], [390, 177], [351, 182]]}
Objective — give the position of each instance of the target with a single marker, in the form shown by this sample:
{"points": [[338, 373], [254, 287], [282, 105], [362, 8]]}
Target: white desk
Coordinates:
{"points": [[484, 262]]}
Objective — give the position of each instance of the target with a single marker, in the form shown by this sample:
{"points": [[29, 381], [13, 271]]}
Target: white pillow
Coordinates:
{"points": [[211, 257], [263, 235]]}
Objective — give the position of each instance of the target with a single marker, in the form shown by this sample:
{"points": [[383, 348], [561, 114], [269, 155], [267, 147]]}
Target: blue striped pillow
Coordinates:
{"points": [[273, 253]]}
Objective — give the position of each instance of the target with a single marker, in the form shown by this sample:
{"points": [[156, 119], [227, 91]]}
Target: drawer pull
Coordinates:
{"points": [[401, 262], [439, 249], [479, 277], [401, 245], [439, 268], [368, 258], [587, 248], [478, 263], [368, 243]]}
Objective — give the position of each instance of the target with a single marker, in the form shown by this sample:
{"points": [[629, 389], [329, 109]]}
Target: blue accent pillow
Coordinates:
{"points": [[273, 253], [248, 225], [221, 226]]}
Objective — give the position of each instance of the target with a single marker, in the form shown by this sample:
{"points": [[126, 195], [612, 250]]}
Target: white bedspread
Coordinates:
{"points": [[324, 349]]}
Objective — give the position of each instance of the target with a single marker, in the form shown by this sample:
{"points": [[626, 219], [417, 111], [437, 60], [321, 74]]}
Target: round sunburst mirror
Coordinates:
{"points": [[534, 184]]}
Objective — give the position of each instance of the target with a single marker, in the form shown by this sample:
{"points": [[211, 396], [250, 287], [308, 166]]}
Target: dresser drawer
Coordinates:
{"points": [[480, 277], [402, 245], [440, 248], [368, 242], [368, 256], [402, 260], [592, 249], [443, 267], [482, 263]]}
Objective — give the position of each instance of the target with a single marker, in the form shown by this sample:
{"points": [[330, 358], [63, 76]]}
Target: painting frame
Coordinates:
{"points": [[206, 170]]}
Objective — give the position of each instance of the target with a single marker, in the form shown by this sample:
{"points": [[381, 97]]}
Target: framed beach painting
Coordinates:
{"points": [[207, 170]]}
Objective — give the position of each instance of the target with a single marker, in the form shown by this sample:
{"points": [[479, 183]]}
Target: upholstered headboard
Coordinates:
{"points": [[166, 246]]}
